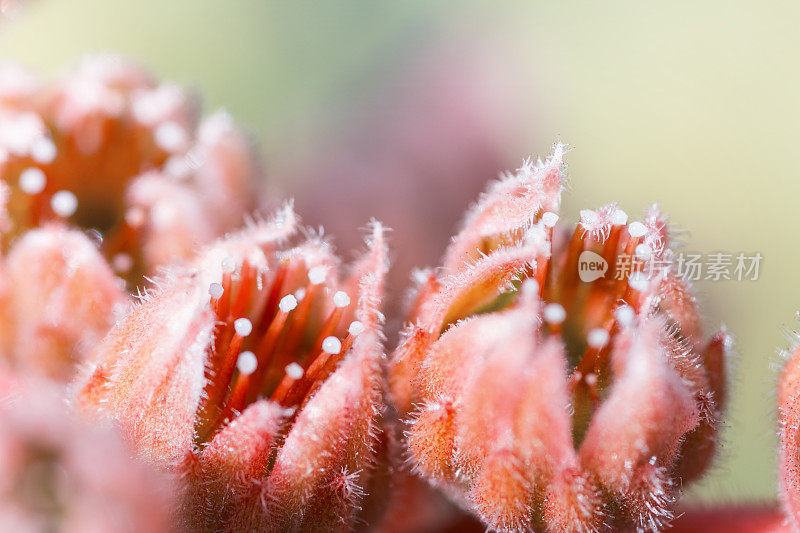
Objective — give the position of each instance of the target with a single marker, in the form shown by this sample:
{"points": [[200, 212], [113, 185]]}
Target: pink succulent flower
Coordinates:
{"points": [[251, 369], [60, 473], [537, 400], [107, 149], [256, 374], [789, 433]]}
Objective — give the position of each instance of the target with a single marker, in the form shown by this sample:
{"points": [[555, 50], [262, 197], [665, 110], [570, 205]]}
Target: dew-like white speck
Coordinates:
{"points": [[597, 338], [43, 151], [643, 251], [294, 371], [215, 290], [530, 286], [247, 363], [554, 314], [135, 217], [341, 299], [287, 303], [170, 136], [243, 327], [228, 265], [32, 180], [619, 218], [122, 263], [317, 275], [64, 204], [549, 219], [625, 315], [591, 379], [356, 328], [638, 281], [331, 345], [637, 229]]}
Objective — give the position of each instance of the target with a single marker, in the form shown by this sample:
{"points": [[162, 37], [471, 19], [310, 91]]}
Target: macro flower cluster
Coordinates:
{"points": [[174, 356]]}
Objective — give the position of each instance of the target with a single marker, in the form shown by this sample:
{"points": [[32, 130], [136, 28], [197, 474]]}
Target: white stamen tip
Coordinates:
{"points": [[356, 328], [637, 229], [331, 345], [317, 275], [32, 181], [625, 315], [170, 136], [591, 379], [64, 204], [300, 293], [530, 286], [215, 290], [554, 314], [597, 338], [287, 303], [588, 217], [43, 151], [247, 363], [638, 281], [294, 371], [122, 263], [135, 217], [549, 219], [243, 327], [228, 265], [619, 218], [643, 251], [341, 299]]}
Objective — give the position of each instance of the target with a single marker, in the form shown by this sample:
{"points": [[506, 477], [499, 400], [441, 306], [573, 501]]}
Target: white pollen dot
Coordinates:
{"points": [[64, 204], [530, 286], [643, 251], [638, 281], [43, 151], [294, 371], [122, 262], [588, 217], [625, 315], [549, 219], [216, 290], [228, 265], [135, 217], [591, 379], [619, 218], [597, 338], [317, 275], [331, 345], [637, 229], [356, 328], [243, 327], [554, 314], [287, 303], [341, 299], [32, 181], [247, 363], [170, 136], [300, 294]]}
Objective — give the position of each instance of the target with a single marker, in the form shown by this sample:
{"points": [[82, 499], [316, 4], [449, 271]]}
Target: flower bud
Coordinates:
{"points": [[537, 396], [255, 373]]}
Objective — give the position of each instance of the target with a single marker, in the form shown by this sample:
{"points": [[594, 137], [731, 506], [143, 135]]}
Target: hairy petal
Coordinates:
{"points": [[62, 298]]}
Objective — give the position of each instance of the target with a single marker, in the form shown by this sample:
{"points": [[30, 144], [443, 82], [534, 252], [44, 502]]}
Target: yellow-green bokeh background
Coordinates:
{"points": [[691, 104]]}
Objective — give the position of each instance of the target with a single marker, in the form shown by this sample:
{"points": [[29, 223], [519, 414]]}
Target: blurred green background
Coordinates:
{"points": [[690, 104]]}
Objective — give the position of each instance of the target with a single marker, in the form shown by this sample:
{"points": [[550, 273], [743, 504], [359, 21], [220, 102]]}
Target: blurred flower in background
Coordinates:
{"points": [[419, 143]]}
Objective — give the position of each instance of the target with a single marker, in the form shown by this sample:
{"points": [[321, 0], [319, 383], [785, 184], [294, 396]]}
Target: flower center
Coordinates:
{"points": [[272, 341]]}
